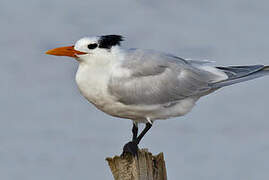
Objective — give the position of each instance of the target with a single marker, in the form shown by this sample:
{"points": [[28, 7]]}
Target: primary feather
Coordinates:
{"points": [[237, 74], [160, 78]]}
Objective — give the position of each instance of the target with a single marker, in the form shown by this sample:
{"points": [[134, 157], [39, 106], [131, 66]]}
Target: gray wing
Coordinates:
{"points": [[158, 78]]}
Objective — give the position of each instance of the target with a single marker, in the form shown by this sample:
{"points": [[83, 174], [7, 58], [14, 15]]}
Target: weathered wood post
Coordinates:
{"points": [[145, 167]]}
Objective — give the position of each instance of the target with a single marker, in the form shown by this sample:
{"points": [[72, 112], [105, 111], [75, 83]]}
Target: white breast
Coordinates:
{"points": [[92, 83], [92, 79]]}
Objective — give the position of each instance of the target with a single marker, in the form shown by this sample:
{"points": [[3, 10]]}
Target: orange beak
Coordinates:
{"points": [[65, 51]]}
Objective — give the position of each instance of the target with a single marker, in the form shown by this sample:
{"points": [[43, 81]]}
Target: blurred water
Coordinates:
{"points": [[48, 131]]}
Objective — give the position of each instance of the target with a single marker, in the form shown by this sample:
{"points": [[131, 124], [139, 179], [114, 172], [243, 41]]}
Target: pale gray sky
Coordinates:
{"points": [[49, 131]]}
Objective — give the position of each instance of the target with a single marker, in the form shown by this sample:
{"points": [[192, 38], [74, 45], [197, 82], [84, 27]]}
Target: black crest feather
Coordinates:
{"points": [[108, 41]]}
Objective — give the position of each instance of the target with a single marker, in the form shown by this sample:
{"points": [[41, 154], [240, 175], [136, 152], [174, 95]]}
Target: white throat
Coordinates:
{"points": [[94, 72]]}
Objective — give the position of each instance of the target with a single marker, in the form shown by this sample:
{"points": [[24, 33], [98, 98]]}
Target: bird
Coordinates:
{"points": [[146, 85]]}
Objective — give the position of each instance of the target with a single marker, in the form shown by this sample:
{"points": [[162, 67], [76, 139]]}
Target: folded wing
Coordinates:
{"points": [[158, 78]]}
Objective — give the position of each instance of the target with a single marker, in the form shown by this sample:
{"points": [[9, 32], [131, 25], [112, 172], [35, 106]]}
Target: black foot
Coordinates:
{"points": [[130, 147]]}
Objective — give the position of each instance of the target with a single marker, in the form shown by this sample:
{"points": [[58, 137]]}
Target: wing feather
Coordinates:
{"points": [[158, 78]]}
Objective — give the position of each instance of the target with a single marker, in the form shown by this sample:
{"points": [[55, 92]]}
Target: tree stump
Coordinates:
{"points": [[143, 167]]}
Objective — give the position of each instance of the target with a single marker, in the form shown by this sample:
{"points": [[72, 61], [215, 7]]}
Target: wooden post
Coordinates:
{"points": [[145, 167]]}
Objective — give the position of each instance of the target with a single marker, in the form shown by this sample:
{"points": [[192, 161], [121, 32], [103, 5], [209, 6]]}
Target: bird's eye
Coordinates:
{"points": [[92, 46]]}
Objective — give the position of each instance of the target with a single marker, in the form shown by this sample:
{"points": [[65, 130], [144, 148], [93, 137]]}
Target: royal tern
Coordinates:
{"points": [[146, 85]]}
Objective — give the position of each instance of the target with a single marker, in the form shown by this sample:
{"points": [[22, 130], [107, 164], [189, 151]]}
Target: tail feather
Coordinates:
{"points": [[237, 74]]}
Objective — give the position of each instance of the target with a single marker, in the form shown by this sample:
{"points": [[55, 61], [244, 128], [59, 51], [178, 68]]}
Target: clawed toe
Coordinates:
{"points": [[130, 147]]}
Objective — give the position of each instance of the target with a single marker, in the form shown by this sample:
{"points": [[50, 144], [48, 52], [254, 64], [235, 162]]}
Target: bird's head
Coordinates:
{"points": [[89, 47]]}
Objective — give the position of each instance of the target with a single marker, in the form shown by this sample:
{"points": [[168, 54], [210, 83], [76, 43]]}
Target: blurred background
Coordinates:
{"points": [[49, 131]]}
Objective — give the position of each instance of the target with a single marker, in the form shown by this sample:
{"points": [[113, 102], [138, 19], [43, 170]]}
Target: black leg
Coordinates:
{"points": [[135, 131], [142, 134], [132, 146]]}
